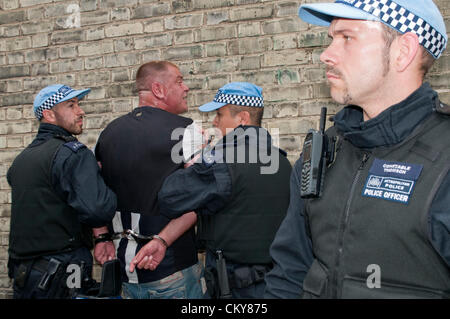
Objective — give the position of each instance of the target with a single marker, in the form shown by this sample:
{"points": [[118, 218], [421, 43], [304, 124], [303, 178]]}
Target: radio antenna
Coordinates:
{"points": [[323, 119]]}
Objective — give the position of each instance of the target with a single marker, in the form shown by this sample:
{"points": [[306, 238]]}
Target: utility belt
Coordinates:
{"points": [[246, 276], [65, 280], [220, 280], [53, 279]]}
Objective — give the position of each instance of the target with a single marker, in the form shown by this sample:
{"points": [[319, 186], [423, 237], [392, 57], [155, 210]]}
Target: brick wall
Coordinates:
{"points": [[100, 44]]}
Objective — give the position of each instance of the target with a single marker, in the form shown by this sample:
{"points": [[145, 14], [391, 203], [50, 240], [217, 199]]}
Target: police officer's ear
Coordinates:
{"points": [[48, 116], [406, 51], [244, 118]]}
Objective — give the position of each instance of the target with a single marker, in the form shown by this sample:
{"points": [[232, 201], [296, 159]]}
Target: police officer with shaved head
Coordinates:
{"points": [[380, 228], [58, 196]]}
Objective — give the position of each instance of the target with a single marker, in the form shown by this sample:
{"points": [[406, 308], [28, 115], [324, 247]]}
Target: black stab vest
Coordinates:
{"points": [[351, 232], [246, 226], [41, 221]]}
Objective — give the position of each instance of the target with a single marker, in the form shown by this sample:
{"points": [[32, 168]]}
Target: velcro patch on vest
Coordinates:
{"points": [[74, 145], [393, 181]]}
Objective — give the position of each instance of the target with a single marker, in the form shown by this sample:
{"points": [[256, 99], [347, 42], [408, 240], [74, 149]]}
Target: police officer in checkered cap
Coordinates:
{"points": [[58, 196], [239, 190], [380, 228]]}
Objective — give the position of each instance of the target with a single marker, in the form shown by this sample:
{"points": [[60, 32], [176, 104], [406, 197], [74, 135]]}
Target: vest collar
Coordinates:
{"points": [[50, 129], [255, 137], [47, 131], [250, 135], [392, 125]]}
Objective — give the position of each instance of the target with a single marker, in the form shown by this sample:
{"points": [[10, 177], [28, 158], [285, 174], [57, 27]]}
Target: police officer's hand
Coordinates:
{"points": [[104, 251], [149, 256]]}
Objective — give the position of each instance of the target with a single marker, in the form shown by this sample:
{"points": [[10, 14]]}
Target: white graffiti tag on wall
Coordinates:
{"points": [[73, 20]]}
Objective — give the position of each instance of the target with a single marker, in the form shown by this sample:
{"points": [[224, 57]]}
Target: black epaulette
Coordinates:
{"points": [[74, 146], [66, 138], [71, 142]]}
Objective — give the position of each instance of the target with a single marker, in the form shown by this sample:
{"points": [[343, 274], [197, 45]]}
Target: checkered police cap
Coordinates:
{"points": [[421, 17], [241, 100], [236, 93], [51, 95]]}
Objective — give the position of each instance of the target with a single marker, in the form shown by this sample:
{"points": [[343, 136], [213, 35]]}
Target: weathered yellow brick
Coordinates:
{"points": [[124, 29]]}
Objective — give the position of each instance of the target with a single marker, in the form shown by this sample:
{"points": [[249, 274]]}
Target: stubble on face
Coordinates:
{"points": [[346, 97], [344, 92], [69, 116], [177, 91], [74, 126]]}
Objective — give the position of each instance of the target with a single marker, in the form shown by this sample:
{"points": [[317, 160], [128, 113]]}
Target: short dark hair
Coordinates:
{"points": [[427, 62], [150, 69], [389, 35], [256, 113]]}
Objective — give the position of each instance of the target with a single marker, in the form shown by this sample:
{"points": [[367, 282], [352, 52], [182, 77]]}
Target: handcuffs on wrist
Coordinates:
{"points": [[102, 238], [129, 234]]}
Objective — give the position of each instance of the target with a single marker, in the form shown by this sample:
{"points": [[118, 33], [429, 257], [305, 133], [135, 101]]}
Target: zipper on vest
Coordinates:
{"points": [[344, 224]]}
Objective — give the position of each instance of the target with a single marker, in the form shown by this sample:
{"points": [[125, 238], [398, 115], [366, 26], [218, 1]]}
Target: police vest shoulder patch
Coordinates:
{"points": [[208, 158], [392, 181], [74, 146]]}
